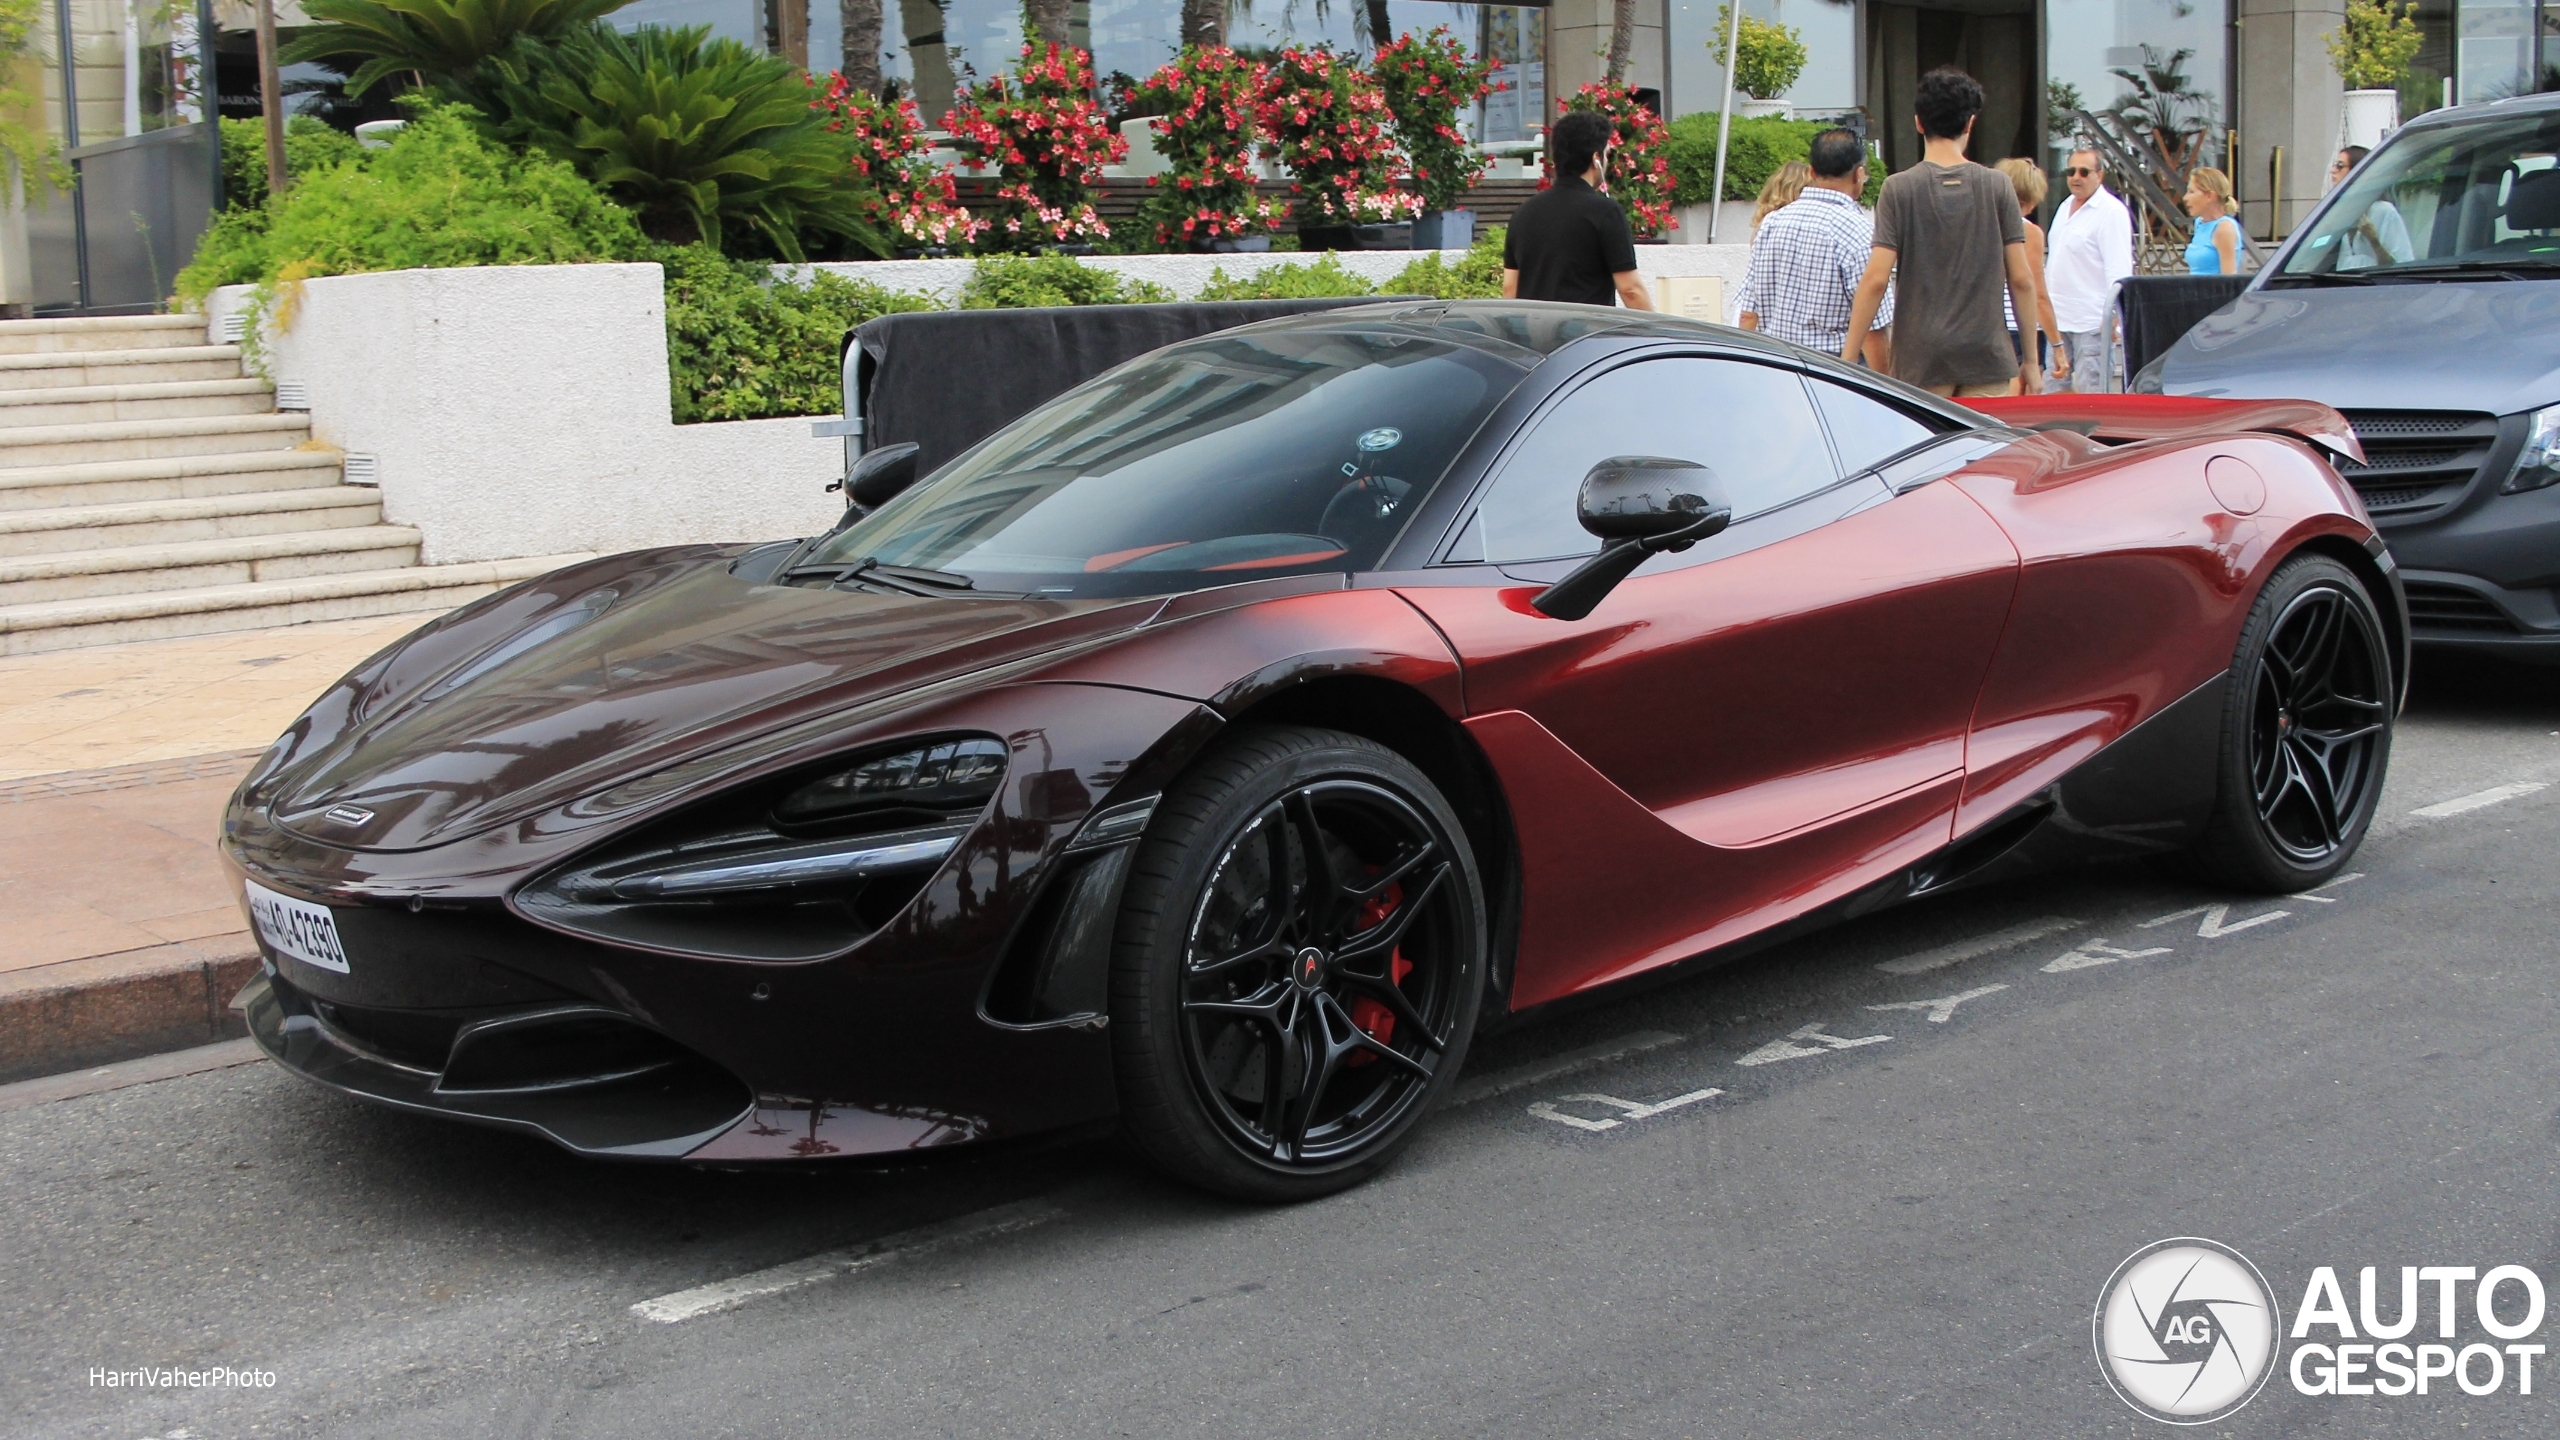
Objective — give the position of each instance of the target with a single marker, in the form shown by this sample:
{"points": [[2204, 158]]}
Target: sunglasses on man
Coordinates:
{"points": [[2079, 170]]}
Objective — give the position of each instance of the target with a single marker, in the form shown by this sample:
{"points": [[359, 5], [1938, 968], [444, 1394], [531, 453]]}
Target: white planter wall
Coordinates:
{"points": [[523, 410]]}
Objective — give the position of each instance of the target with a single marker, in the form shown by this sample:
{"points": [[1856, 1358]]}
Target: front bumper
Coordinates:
{"points": [[2482, 567]]}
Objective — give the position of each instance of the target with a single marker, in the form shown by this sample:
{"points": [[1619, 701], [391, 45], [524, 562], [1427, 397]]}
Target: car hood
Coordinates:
{"points": [[2492, 346], [679, 658]]}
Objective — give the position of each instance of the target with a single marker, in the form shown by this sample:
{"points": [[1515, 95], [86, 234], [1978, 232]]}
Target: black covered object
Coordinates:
{"points": [[2158, 309], [947, 379]]}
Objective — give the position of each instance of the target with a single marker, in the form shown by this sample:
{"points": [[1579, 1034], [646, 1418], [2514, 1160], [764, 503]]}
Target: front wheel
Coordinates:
{"points": [[2306, 733], [1300, 956]]}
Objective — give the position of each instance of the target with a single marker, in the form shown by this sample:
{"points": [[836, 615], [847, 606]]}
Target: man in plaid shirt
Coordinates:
{"points": [[1808, 256]]}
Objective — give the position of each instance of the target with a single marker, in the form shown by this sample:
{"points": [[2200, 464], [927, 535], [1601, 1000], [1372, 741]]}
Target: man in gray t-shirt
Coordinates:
{"points": [[1949, 237]]}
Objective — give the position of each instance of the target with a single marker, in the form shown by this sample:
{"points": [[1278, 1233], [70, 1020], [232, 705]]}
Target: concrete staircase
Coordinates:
{"points": [[149, 489]]}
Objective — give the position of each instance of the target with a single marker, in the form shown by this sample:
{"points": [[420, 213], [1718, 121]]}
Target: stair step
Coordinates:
{"points": [[99, 332], [63, 624], [148, 439], [95, 404], [177, 477], [63, 368], [170, 522], [197, 564]]}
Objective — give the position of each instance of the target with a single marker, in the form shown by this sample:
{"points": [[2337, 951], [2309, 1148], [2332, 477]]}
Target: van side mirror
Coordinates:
{"points": [[1638, 505], [879, 476]]}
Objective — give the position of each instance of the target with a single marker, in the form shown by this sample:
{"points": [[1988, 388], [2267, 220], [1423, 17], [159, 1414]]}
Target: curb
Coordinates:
{"points": [[84, 1013]]}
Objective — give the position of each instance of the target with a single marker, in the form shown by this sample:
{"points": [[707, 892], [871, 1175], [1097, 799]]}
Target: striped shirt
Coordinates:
{"points": [[1805, 266]]}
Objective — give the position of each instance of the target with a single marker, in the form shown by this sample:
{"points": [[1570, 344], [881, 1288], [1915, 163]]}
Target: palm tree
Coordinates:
{"points": [[1047, 19], [428, 38], [1204, 22], [862, 24], [1622, 36]]}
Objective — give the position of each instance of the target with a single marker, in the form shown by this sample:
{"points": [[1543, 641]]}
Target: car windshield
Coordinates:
{"points": [[1229, 458], [2474, 198]]}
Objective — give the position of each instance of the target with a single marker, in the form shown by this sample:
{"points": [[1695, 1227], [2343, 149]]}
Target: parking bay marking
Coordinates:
{"points": [[731, 1293], [2098, 952], [1787, 1049], [1942, 1009], [2478, 799], [1572, 1062], [1963, 950], [2216, 923], [1631, 1110]]}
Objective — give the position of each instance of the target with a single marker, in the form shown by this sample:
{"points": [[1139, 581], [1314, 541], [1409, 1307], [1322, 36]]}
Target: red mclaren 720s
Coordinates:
{"points": [[1211, 751]]}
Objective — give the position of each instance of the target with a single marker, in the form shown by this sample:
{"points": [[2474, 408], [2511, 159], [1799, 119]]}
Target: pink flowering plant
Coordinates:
{"points": [[1639, 175], [1206, 126], [1330, 121], [1048, 141], [911, 198], [1426, 80]]}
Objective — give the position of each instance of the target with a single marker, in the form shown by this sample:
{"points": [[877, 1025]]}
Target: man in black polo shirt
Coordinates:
{"points": [[1572, 242]]}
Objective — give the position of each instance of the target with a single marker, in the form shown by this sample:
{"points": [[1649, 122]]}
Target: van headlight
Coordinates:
{"points": [[2538, 464]]}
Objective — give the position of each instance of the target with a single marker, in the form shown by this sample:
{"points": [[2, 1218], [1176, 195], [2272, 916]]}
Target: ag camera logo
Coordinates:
{"points": [[2186, 1331]]}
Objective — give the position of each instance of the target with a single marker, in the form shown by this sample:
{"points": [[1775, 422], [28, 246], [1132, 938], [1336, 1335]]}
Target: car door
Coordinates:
{"points": [[1744, 731]]}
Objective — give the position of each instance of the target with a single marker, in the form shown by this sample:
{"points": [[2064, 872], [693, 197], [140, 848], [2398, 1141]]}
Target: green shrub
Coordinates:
{"points": [[1772, 55], [1002, 282], [439, 195], [366, 40], [742, 345], [707, 139], [309, 144], [1476, 277], [1761, 143], [1323, 279]]}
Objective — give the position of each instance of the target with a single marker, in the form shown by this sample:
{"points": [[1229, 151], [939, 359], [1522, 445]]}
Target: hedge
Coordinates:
{"points": [[1760, 144]]}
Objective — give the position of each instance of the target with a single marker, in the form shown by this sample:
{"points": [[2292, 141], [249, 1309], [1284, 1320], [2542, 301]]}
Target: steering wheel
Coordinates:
{"points": [[1365, 514]]}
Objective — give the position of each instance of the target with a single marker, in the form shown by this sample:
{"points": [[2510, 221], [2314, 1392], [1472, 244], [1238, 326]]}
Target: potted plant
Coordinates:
{"points": [[1202, 112], [1768, 58], [2372, 48], [1639, 177], [912, 199], [1330, 123], [1047, 142], [1427, 80]]}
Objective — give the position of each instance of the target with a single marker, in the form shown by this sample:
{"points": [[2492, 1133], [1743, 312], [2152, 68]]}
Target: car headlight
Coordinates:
{"points": [[952, 775], [2538, 464]]}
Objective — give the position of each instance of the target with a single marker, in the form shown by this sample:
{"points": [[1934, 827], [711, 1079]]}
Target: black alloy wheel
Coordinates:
{"points": [[2307, 732], [1299, 962]]}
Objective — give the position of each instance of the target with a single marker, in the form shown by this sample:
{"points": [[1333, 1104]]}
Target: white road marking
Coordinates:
{"points": [[1633, 1110], [2098, 952], [2213, 926], [1788, 1050], [1572, 1062], [2315, 897], [1963, 950], [729, 1294], [1942, 1009], [2478, 799]]}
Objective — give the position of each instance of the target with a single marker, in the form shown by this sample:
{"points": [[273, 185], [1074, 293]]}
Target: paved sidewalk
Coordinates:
{"points": [[118, 934]]}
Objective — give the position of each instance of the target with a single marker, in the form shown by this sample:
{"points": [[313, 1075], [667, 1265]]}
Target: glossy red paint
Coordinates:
{"points": [[1734, 741], [2123, 418]]}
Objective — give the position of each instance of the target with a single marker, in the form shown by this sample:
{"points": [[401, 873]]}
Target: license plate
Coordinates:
{"points": [[307, 932]]}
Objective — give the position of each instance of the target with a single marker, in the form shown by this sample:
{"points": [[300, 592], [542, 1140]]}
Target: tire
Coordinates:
{"points": [[2306, 734], [1279, 1029]]}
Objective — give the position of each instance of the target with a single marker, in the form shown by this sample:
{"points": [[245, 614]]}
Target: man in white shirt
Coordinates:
{"points": [[2088, 250]]}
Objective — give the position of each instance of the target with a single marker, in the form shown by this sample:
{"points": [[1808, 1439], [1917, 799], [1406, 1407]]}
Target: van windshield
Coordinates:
{"points": [[2473, 199], [1229, 458]]}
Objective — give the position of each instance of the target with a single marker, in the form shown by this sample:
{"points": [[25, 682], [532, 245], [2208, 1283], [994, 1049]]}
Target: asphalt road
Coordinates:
{"points": [[1899, 1237]]}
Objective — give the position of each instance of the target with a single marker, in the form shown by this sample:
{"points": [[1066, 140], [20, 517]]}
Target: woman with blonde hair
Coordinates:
{"points": [[2027, 182], [2215, 247], [1781, 191]]}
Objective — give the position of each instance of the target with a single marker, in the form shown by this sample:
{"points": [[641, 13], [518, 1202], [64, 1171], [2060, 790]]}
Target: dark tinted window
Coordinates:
{"points": [[1750, 424], [1230, 458], [1864, 430]]}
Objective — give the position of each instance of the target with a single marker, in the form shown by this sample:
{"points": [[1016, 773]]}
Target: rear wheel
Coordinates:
{"points": [[2306, 733], [1300, 957]]}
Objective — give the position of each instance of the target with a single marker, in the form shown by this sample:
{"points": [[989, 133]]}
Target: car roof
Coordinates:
{"points": [[2485, 110]]}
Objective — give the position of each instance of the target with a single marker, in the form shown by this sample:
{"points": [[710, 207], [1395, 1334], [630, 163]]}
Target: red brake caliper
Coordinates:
{"points": [[1375, 1019]]}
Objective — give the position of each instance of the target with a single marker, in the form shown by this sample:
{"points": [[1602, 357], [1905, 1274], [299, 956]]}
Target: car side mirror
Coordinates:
{"points": [[1638, 505], [879, 476]]}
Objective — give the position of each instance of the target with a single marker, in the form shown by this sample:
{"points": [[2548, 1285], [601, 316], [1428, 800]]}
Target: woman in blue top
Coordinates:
{"points": [[2215, 249]]}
